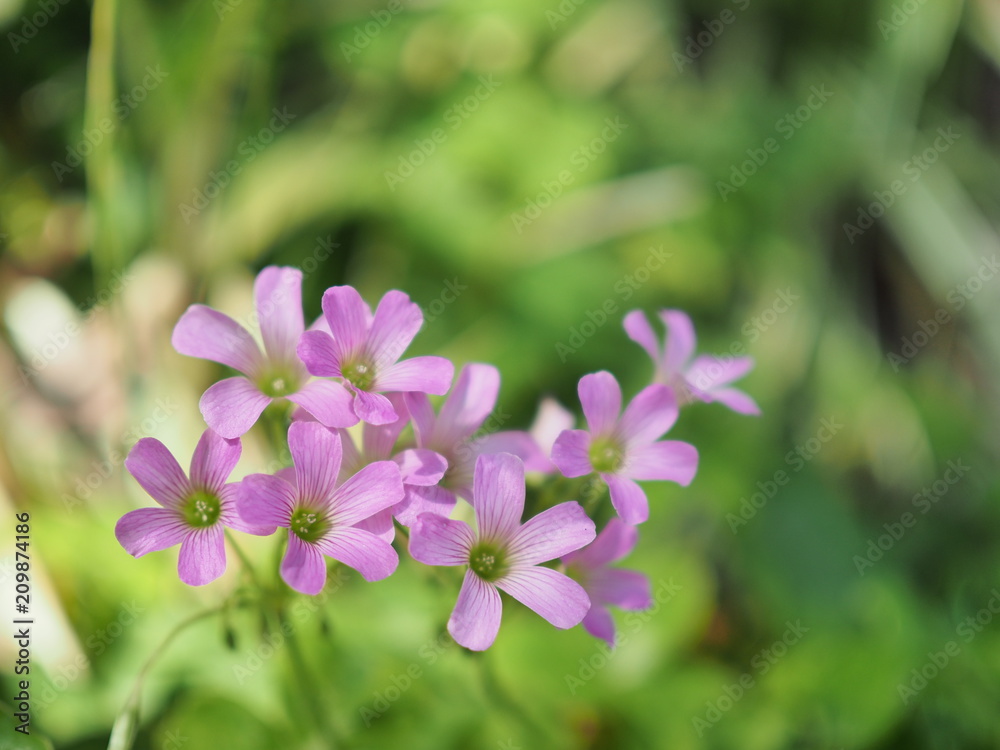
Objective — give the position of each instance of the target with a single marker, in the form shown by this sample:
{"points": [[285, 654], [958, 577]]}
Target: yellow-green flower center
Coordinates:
{"points": [[606, 455], [360, 374], [201, 509], [277, 382], [488, 561], [308, 524]]}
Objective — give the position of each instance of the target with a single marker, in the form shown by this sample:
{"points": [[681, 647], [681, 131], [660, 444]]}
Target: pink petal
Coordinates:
{"points": [[550, 422], [571, 453], [378, 441], [396, 322], [708, 372], [440, 541], [422, 414], [614, 542], [278, 296], [316, 454], [230, 516], [328, 401], [670, 460], [420, 466], [303, 567], [680, 340], [232, 406], [372, 557], [469, 403], [374, 408], [638, 329], [475, 621], [551, 534], [519, 444], [157, 471], [376, 487], [628, 499], [208, 334], [320, 354], [600, 624], [556, 597], [150, 530], [418, 374], [203, 556], [736, 400], [498, 489], [419, 500], [652, 412], [601, 398], [213, 461], [380, 525], [351, 462], [265, 501], [626, 589], [347, 315]]}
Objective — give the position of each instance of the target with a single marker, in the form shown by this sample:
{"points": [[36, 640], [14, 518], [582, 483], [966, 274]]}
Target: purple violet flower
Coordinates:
{"points": [[364, 350], [232, 406], [194, 510], [624, 448], [706, 378], [626, 589], [504, 555], [320, 515]]}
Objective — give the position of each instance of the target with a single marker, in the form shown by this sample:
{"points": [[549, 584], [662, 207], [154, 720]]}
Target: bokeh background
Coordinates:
{"points": [[816, 183]]}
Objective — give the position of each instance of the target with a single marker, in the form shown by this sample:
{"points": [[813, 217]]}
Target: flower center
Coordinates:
{"points": [[308, 524], [201, 509], [488, 561], [360, 374], [606, 455], [278, 382]]}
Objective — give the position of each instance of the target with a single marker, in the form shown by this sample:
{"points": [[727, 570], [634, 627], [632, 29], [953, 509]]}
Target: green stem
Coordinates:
{"points": [[304, 681], [247, 565]]}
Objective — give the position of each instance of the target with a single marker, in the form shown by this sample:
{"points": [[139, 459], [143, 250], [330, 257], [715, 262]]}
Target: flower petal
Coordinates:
{"points": [[670, 460], [417, 374], [374, 408], [320, 354], [396, 322], [551, 534], [303, 567], [351, 461], [418, 500], [628, 499], [278, 297], [208, 334], [600, 624], [378, 441], [265, 501], [440, 541], [213, 461], [380, 525], [150, 530], [348, 316], [203, 556], [157, 471], [638, 329], [615, 541], [232, 406], [550, 422], [475, 621], [469, 403], [680, 340], [601, 398], [230, 516], [316, 454], [626, 589], [422, 414], [519, 444], [553, 595], [498, 490], [708, 372], [736, 400], [328, 401], [372, 557], [376, 487], [652, 412], [571, 453], [420, 466]]}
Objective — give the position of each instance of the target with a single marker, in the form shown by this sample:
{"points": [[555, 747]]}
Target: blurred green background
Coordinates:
{"points": [[813, 182]]}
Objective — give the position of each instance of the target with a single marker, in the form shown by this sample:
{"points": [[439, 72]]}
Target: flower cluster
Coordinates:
{"points": [[372, 456]]}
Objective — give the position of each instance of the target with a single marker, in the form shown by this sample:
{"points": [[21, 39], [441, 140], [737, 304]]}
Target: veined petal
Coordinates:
{"points": [[150, 530], [680, 340], [519, 444], [213, 461], [468, 404], [208, 334], [498, 489], [372, 557], [348, 316], [628, 499], [422, 414], [627, 589], [328, 401], [475, 621], [556, 597], [652, 412], [316, 454], [435, 540], [615, 541], [735, 399], [600, 624], [351, 462], [320, 354], [303, 567], [380, 525], [571, 453], [278, 297], [265, 501], [396, 322], [670, 460], [551, 534], [417, 374], [157, 471], [230, 516], [374, 408], [378, 440], [638, 329], [420, 466], [231, 406], [601, 398], [376, 487], [203, 556], [418, 500]]}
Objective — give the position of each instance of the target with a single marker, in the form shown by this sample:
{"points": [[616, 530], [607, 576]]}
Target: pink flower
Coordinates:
{"points": [[232, 406], [706, 378], [626, 589], [365, 349], [504, 555], [624, 448], [194, 510], [320, 515]]}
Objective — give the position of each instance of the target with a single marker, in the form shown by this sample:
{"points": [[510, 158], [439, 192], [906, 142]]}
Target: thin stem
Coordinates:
{"points": [[498, 695], [303, 679], [247, 565]]}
